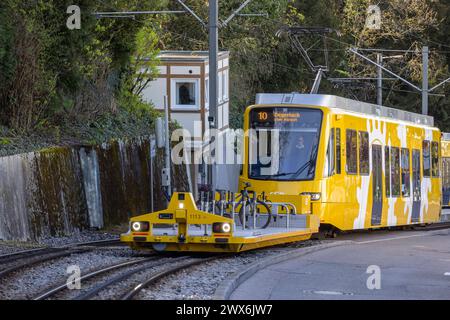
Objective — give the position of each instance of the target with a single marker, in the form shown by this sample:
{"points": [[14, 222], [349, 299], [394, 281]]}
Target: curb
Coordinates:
{"points": [[227, 287]]}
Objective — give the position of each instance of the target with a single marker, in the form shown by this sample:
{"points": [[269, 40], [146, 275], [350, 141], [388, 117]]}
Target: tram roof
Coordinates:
{"points": [[331, 101]]}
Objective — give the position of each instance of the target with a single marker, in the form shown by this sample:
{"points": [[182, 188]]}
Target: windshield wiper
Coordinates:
{"points": [[279, 175], [299, 171], [310, 164]]}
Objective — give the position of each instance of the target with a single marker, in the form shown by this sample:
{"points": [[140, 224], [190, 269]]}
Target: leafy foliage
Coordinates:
{"points": [[262, 62], [53, 79]]}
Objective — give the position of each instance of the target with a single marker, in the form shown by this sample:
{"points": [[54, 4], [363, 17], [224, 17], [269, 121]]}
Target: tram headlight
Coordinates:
{"points": [[221, 227], [140, 226], [315, 196]]}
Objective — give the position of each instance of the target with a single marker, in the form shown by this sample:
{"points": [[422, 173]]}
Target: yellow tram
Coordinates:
{"points": [[312, 160], [371, 166], [445, 169]]}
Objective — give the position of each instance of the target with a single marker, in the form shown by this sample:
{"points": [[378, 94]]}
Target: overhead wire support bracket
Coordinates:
{"points": [[439, 84], [355, 51], [116, 16], [235, 13], [186, 7], [261, 14], [295, 34], [124, 14]]}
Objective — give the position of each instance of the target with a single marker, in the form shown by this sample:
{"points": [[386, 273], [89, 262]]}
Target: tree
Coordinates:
{"points": [[52, 76]]}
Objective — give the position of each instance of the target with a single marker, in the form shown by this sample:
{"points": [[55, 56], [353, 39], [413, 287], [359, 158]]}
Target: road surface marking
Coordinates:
{"points": [[447, 274], [336, 293], [328, 292], [396, 238]]}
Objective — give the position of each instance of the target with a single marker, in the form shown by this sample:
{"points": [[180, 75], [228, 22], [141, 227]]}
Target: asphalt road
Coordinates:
{"points": [[401, 265]]}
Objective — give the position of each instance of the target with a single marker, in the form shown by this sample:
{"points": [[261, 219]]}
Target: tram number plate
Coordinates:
{"points": [[195, 216]]}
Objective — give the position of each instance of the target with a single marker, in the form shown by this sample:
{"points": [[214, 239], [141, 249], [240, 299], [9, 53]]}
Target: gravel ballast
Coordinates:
{"points": [[7, 247], [29, 282], [77, 237], [200, 282], [195, 283]]}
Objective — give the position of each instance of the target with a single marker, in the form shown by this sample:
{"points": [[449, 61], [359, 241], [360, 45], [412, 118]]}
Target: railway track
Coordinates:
{"points": [[170, 265], [156, 267], [5, 258], [158, 275], [435, 226], [27, 258], [99, 272], [143, 264], [117, 279], [95, 290], [38, 251]]}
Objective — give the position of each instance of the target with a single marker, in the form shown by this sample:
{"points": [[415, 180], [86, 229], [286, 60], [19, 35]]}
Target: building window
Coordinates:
{"points": [[352, 149], [435, 159], [364, 168], [426, 158], [395, 171], [338, 150], [185, 93], [220, 87], [207, 92], [225, 85], [406, 176], [387, 170]]}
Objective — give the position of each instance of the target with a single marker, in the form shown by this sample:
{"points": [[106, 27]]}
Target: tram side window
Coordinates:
{"points": [[352, 149], [364, 168], [406, 176], [395, 172], [426, 158], [330, 155], [338, 150], [387, 170], [435, 159], [446, 176]]}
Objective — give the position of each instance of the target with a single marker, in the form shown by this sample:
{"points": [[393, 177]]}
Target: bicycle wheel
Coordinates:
{"points": [[225, 208], [207, 206], [261, 208]]}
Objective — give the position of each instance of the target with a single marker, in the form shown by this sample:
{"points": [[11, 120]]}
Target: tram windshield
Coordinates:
{"points": [[284, 143]]}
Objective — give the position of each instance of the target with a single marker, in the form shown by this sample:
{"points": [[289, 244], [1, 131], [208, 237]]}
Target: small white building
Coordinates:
{"points": [[184, 79]]}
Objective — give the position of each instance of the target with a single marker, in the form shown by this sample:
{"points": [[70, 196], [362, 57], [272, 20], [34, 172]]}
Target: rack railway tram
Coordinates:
{"points": [[310, 161]]}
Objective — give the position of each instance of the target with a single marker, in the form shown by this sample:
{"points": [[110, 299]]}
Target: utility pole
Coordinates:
{"points": [[379, 80], [213, 121], [213, 27], [167, 146], [213, 53], [425, 90]]}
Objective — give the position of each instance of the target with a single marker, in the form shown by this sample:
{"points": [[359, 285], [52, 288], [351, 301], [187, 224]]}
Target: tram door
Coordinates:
{"points": [[446, 181], [377, 191], [417, 194]]}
